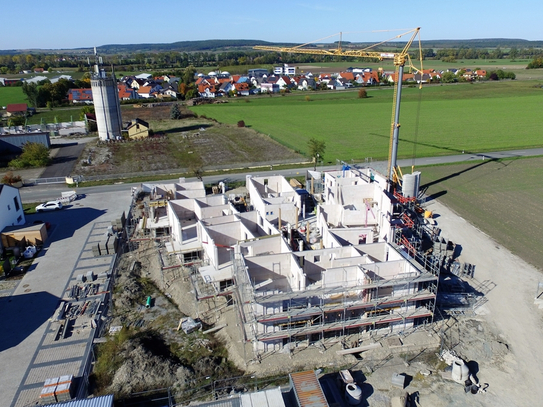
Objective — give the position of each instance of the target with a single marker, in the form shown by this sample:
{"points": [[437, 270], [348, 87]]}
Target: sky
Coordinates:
{"points": [[65, 24]]}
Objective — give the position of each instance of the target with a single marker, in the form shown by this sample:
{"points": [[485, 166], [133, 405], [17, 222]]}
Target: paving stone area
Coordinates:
{"points": [[58, 355], [42, 348]]}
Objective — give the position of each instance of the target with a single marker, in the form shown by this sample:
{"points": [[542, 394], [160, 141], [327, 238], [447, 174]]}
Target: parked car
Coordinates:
{"points": [[49, 206]]}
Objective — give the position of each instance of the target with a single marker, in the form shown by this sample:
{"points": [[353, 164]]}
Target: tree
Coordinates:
{"points": [[182, 89], [16, 121], [9, 178], [316, 150], [31, 92], [513, 53], [536, 63], [448, 77], [84, 110], [188, 75], [34, 155], [362, 94], [175, 112]]}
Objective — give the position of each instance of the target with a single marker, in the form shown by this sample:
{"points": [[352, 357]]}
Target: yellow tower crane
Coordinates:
{"points": [[400, 59]]}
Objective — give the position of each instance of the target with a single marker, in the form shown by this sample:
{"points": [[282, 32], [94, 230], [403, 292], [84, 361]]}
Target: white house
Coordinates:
{"points": [[11, 207]]}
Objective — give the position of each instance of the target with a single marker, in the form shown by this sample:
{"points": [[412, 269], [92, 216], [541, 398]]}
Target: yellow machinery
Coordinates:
{"points": [[400, 59]]}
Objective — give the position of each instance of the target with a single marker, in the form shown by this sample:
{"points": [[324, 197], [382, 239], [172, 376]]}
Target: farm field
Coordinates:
{"points": [[500, 197], [11, 94], [437, 120]]}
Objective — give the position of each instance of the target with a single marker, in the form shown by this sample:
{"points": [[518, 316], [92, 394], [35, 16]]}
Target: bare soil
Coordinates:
{"points": [[184, 145]]}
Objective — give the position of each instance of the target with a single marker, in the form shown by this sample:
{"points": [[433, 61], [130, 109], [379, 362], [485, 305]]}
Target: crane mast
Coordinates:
{"points": [[399, 58]]}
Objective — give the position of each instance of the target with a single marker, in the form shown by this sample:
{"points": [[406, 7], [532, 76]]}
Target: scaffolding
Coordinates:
{"points": [[317, 314]]}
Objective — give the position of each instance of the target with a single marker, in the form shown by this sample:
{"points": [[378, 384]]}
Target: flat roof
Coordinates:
{"points": [[307, 389]]}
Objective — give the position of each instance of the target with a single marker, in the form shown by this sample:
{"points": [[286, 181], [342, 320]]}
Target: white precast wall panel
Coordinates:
{"points": [[106, 106]]}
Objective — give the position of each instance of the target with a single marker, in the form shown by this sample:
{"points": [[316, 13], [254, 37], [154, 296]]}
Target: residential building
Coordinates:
{"points": [[300, 279], [257, 72], [80, 95], [138, 129], [284, 70], [126, 92], [11, 207]]}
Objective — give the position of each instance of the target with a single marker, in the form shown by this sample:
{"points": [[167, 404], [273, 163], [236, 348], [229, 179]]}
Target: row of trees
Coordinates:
{"points": [[50, 94], [454, 54], [449, 77], [19, 62], [180, 60]]}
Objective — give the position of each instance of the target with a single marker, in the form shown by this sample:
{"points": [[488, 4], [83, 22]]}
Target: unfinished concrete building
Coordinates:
{"points": [[357, 208], [353, 281], [316, 295], [276, 200]]}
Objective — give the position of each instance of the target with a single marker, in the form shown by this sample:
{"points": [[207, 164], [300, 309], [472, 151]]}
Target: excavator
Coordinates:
{"points": [[400, 60]]}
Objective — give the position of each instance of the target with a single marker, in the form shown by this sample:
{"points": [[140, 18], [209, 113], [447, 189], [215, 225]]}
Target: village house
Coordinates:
{"points": [[138, 129], [17, 109], [80, 96]]}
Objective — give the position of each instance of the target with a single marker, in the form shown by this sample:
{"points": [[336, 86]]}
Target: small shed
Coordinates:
{"points": [[21, 236], [138, 129]]}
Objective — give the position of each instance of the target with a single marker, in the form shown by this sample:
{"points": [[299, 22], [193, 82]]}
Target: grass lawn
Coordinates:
{"points": [[57, 115], [438, 120], [11, 94], [502, 198]]}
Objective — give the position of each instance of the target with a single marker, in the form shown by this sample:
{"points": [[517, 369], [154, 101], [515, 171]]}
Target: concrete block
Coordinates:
{"points": [[398, 380], [96, 250]]}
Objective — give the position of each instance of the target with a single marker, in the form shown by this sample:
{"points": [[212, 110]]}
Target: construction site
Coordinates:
{"points": [[359, 264], [344, 285], [349, 267], [290, 278]]}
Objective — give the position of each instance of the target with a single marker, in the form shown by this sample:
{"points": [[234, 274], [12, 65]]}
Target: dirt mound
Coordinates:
{"points": [[143, 370]]}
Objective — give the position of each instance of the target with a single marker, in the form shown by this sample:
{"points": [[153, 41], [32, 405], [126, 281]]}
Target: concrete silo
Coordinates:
{"points": [[106, 103]]}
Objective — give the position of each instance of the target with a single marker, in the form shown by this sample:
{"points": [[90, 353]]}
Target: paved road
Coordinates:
{"points": [[46, 192], [64, 161]]}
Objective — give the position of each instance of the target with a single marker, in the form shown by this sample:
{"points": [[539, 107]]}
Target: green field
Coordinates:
{"points": [[437, 120], [11, 94], [501, 198]]}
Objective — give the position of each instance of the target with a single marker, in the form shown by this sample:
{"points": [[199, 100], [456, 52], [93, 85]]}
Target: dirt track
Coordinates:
{"points": [[509, 317]]}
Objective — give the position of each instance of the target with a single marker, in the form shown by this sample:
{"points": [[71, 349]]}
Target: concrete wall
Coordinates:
{"points": [[353, 236], [211, 252], [269, 245], [276, 266], [269, 195]]}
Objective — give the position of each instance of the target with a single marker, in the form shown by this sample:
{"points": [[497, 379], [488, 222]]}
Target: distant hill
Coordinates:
{"points": [[233, 45], [482, 43], [182, 46]]}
